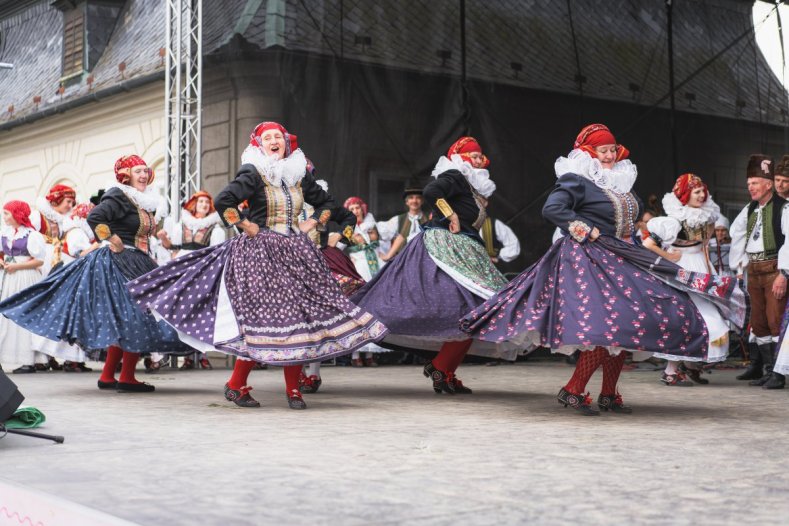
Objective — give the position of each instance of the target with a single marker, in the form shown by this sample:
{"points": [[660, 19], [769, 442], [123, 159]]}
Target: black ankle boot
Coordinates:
{"points": [[613, 403], [581, 403], [776, 381], [240, 397], [456, 385], [439, 379]]}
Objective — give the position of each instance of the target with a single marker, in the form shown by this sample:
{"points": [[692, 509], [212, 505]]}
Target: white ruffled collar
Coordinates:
{"points": [[478, 178], [21, 232], [149, 200], [77, 222], [44, 207], [693, 217], [291, 169], [619, 179], [193, 223]]}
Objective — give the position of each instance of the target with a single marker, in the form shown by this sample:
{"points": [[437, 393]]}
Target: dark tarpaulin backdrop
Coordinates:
{"points": [[377, 92]]}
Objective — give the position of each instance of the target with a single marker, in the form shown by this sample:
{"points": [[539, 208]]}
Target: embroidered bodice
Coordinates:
{"points": [[577, 205]]}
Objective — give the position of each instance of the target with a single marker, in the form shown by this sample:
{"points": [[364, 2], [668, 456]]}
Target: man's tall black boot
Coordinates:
{"points": [[768, 357], [755, 366]]}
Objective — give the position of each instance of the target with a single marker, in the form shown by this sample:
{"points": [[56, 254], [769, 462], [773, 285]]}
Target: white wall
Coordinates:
{"points": [[80, 147]]}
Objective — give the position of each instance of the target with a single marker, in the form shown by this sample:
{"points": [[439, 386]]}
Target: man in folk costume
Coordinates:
{"points": [[402, 228], [758, 251], [501, 243], [781, 180]]}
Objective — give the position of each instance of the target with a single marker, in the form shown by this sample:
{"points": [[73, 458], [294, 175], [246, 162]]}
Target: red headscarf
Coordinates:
{"points": [[124, 165], [21, 212], [82, 210], [685, 185], [595, 135], [59, 192], [191, 204], [291, 141], [356, 201], [464, 146]]}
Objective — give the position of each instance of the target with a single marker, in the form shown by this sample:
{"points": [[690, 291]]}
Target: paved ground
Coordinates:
{"points": [[377, 446]]}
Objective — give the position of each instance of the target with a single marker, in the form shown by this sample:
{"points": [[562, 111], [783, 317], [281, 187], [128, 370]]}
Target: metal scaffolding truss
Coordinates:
{"points": [[183, 100]]}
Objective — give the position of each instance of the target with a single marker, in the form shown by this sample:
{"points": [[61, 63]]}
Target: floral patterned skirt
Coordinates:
{"points": [[606, 293], [421, 303], [269, 298]]}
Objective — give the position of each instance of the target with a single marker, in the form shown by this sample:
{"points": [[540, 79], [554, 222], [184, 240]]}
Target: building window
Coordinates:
{"points": [[74, 41]]}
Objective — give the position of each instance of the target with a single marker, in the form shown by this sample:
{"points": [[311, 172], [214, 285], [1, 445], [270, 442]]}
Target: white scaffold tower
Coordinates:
{"points": [[183, 100]]}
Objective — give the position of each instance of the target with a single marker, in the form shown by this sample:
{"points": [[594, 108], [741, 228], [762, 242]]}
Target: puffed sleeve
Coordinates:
{"points": [[320, 199], [387, 230], [110, 208], [174, 230], [783, 252], [240, 189], [440, 190], [738, 259], [76, 241], [36, 245], [511, 246], [218, 236], [664, 230], [559, 208]]}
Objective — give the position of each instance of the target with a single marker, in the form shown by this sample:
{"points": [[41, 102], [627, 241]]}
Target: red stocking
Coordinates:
{"points": [[240, 373], [114, 354], [587, 364], [451, 355], [127, 368], [612, 367], [292, 373]]}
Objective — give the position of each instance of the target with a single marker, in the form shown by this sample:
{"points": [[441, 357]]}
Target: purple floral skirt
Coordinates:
{"points": [[421, 305], [270, 298], [605, 293]]}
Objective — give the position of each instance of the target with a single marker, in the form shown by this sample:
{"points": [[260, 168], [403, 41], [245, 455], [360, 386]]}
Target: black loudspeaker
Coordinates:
{"points": [[10, 397]]}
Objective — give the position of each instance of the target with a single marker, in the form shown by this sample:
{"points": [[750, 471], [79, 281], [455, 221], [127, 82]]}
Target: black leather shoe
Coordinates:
{"points": [[25, 369], [84, 368], [581, 403], [240, 397], [776, 381], [310, 384], [135, 388], [295, 401], [108, 385], [613, 403], [54, 365], [457, 387], [439, 378]]}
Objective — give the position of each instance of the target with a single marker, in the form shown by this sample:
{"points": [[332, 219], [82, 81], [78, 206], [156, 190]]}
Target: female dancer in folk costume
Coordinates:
{"points": [[200, 227], [331, 242], [267, 295], [86, 302], [597, 290], [366, 256], [78, 241], [23, 252], [443, 272], [685, 232], [49, 218]]}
